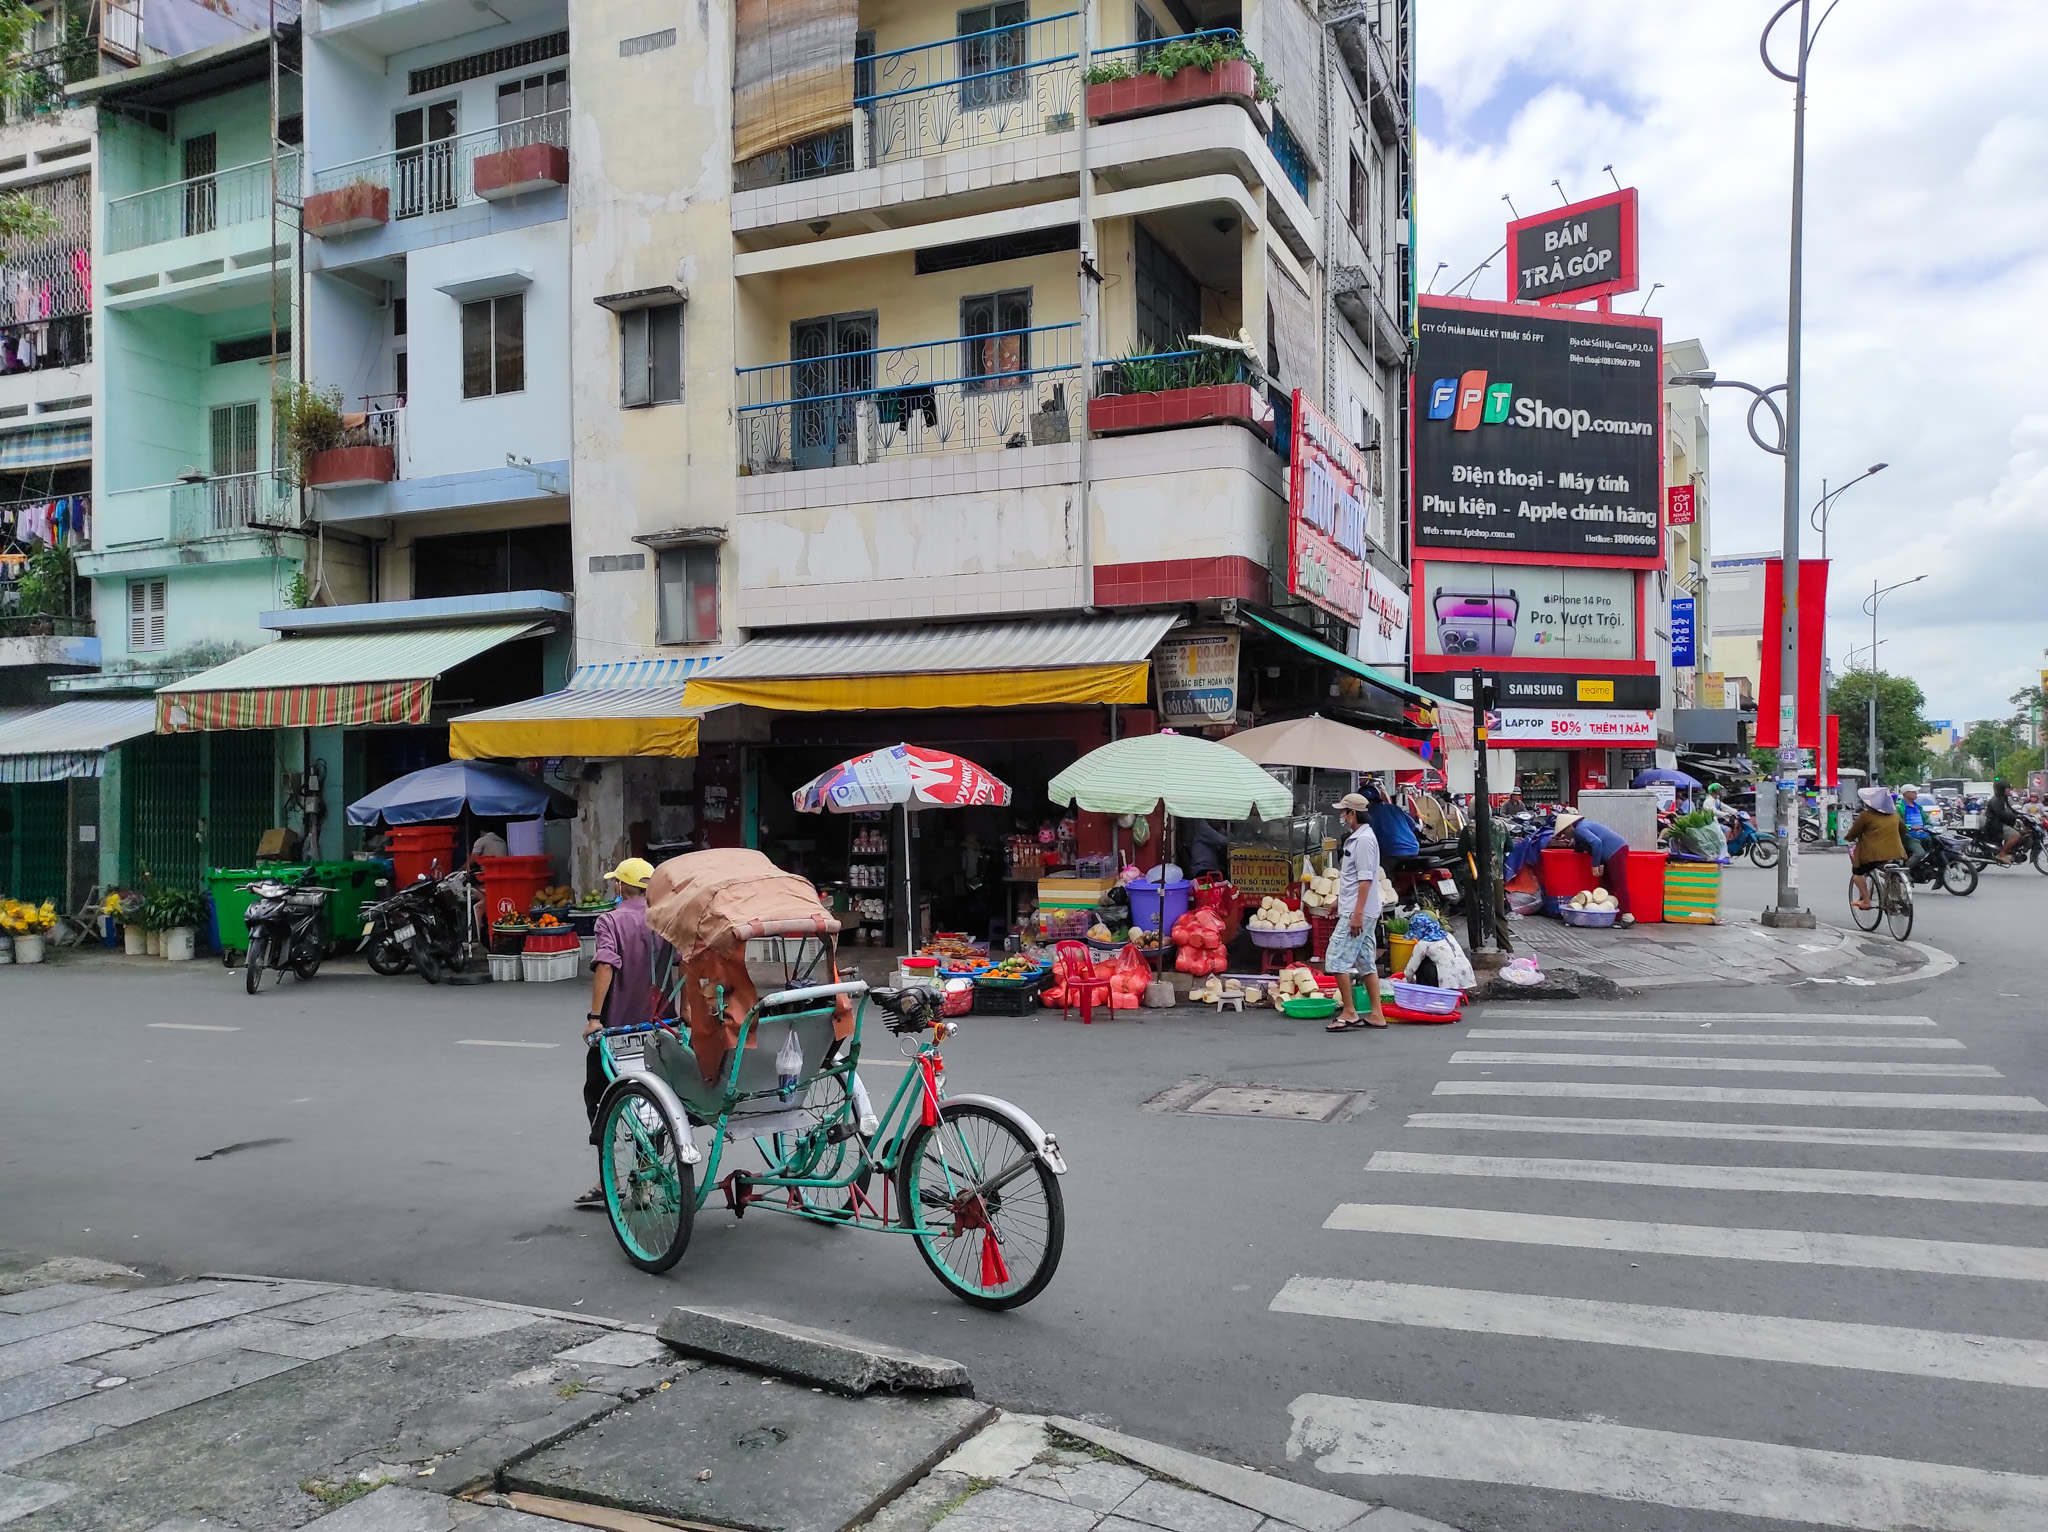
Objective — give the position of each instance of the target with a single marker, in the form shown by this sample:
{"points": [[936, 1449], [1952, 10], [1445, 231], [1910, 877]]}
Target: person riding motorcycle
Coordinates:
{"points": [[2001, 814], [1913, 824]]}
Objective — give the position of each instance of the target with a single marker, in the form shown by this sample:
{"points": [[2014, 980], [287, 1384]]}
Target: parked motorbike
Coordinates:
{"points": [[1982, 845], [1946, 864], [424, 926], [286, 924], [1433, 880], [1748, 841], [1809, 826]]}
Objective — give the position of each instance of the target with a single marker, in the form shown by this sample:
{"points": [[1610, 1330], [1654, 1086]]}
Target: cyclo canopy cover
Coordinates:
{"points": [[708, 905]]}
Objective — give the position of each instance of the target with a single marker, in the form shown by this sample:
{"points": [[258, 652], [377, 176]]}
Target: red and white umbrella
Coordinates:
{"points": [[907, 775]]}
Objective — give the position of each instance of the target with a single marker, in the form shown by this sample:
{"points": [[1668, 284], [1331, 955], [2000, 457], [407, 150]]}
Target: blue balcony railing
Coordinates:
{"points": [[1288, 154], [1012, 388]]}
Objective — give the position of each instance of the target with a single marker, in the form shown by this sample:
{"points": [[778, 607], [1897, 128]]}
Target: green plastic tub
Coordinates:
{"points": [[354, 885]]}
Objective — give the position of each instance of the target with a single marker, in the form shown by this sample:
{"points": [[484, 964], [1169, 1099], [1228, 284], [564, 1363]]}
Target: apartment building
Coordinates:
{"points": [[933, 362]]}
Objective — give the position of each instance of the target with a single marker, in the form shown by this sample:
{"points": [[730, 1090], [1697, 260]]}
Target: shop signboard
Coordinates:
{"points": [[1257, 871], [1538, 431], [1527, 611], [1383, 628], [1197, 678], [1681, 632], [1579, 251], [1683, 507], [1714, 690], [1329, 507], [1537, 688], [1574, 728]]}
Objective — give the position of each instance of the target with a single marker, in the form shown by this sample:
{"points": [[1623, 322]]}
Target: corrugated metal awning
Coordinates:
{"points": [[71, 739], [628, 675], [586, 721], [1037, 661], [328, 680], [1342, 661]]}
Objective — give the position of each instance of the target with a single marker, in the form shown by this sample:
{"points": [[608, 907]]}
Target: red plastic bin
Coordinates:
{"points": [[1639, 885], [512, 882], [420, 851], [1566, 872]]}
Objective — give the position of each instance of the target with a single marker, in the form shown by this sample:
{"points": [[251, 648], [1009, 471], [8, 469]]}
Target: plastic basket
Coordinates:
{"points": [[956, 1002], [1572, 917], [1426, 998], [549, 967], [504, 967], [553, 939], [1293, 938], [1303, 1008], [509, 941], [1031, 981], [1016, 1001]]}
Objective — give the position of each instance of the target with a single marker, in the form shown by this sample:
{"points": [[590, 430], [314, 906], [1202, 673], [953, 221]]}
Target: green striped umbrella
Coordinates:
{"points": [[1195, 778]]}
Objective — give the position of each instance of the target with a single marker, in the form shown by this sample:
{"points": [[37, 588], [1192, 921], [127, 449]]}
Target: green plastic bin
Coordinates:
{"points": [[354, 885], [231, 901]]}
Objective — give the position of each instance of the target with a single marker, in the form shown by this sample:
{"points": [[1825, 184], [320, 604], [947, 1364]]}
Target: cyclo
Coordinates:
{"points": [[763, 1044]]}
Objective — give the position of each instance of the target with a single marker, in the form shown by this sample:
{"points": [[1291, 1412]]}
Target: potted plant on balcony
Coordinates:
{"points": [[361, 204], [522, 168], [330, 449], [1202, 381], [1189, 71]]}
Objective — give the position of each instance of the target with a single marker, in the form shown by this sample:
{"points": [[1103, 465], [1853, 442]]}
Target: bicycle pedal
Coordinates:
{"points": [[736, 1194]]}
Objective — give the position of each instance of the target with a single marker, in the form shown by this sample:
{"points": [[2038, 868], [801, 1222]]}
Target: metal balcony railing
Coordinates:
{"points": [[199, 205], [1012, 388], [440, 176], [1008, 82], [64, 340], [230, 503]]}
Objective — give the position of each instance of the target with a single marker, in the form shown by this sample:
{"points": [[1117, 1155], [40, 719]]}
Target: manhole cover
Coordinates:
{"points": [[1271, 1101]]}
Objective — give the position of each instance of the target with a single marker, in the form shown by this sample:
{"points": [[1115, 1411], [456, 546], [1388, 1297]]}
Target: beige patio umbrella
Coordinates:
{"points": [[1324, 744]]}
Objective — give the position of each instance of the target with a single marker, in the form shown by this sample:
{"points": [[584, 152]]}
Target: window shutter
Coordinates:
{"points": [[157, 604], [665, 353], [633, 358], [138, 620]]}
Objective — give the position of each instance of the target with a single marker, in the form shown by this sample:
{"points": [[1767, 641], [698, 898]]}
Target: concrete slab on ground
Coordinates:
{"points": [[842, 1362]]}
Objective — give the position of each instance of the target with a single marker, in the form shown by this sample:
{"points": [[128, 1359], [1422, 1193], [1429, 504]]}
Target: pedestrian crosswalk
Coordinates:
{"points": [[1809, 1160]]}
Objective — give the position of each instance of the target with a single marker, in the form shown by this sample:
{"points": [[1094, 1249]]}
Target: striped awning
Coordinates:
{"points": [[629, 675], [327, 680], [47, 446], [71, 739], [1043, 661], [587, 721]]}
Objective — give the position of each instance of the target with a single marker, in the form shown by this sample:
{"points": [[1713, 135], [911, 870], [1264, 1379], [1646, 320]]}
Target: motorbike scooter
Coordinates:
{"points": [[424, 926], [286, 924]]}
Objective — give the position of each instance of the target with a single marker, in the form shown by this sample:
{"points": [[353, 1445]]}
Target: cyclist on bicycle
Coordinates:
{"points": [[1874, 838]]}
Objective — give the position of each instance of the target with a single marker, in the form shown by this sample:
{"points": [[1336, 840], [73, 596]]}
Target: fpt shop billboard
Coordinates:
{"points": [[1330, 508], [1538, 433], [1585, 250]]}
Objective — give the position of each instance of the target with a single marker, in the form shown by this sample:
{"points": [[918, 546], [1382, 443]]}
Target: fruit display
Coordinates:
{"points": [[596, 900], [558, 898], [1595, 899], [1276, 915]]}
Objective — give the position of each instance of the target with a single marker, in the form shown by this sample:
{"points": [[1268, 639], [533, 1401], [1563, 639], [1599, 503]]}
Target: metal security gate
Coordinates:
{"points": [[34, 820], [241, 777], [196, 801]]}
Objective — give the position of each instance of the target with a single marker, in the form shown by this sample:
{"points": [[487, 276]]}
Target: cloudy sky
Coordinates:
{"points": [[1926, 270]]}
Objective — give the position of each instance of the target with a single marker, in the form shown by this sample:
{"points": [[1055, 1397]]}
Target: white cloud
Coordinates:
{"points": [[1926, 335]]}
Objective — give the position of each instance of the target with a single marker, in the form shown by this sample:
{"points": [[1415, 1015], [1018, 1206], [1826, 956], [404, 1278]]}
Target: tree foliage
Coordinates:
{"points": [[22, 83], [1902, 755]]}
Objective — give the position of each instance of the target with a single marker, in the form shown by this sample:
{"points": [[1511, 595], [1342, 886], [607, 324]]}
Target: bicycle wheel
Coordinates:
{"points": [[987, 1212], [1898, 905], [650, 1191], [1959, 878], [2040, 857], [1764, 851], [1867, 920]]}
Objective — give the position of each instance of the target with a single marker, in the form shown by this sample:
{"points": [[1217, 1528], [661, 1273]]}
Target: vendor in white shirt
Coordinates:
{"points": [[1355, 942]]}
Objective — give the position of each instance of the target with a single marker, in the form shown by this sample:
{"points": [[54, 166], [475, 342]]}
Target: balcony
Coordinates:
{"points": [[231, 504], [1122, 83], [1166, 390], [1007, 389], [367, 453], [200, 205], [36, 345], [495, 164]]}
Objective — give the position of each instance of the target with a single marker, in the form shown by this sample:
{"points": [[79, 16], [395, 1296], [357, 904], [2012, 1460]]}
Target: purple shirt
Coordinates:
{"points": [[625, 943]]}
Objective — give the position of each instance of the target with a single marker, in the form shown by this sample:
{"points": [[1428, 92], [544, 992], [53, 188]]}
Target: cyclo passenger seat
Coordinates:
{"points": [[910, 1008]]}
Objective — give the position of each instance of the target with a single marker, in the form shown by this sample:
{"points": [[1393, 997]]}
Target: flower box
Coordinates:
{"points": [[1111, 414], [1143, 94], [341, 467], [515, 172], [348, 210]]}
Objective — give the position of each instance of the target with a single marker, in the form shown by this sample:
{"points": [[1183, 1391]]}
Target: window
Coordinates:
{"points": [[251, 348], [996, 327], [1145, 28], [397, 316], [426, 160], [1169, 299], [400, 379], [991, 53], [494, 346], [200, 154], [688, 578], [234, 436], [489, 563], [651, 353], [534, 110], [1359, 211], [145, 615], [475, 66]]}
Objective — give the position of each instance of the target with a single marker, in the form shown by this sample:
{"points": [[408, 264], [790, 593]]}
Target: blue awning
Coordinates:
{"points": [[47, 446]]}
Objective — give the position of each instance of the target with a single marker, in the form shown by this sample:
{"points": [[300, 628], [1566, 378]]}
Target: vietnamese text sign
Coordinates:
{"points": [[1574, 728], [1383, 627], [1259, 870], [1328, 506], [1197, 678], [1530, 611], [1684, 507], [1576, 252], [1682, 610], [1538, 433]]}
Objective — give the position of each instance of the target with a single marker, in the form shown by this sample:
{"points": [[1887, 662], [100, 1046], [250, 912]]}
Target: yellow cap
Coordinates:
{"points": [[634, 872]]}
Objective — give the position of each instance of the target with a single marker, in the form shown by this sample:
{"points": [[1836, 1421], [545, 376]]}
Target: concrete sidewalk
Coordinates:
{"points": [[1739, 950], [258, 1404]]}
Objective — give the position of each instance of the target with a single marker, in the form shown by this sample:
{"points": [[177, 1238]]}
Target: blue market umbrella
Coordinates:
{"points": [[486, 789], [1658, 774]]}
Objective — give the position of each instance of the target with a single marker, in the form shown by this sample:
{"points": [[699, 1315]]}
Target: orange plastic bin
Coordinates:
{"points": [[1566, 872], [1639, 884], [420, 851], [512, 882]]}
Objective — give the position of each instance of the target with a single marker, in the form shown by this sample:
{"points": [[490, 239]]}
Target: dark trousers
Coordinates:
{"points": [[594, 1083]]}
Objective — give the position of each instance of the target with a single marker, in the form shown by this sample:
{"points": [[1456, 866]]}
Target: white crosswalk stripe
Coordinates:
{"points": [[1746, 1132], [1741, 1095], [1717, 1474], [1799, 1247], [1753, 1337], [1801, 1485], [1752, 1066]]}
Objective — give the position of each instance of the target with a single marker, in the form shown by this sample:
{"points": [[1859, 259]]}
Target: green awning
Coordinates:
{"points": [[1323, 651]]}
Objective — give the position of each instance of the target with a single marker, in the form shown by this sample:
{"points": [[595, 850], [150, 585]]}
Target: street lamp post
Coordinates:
{"points": [[1870, 606], [1818, 517]]}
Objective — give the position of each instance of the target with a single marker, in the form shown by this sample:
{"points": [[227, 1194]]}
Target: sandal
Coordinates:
{"points": [[1339, 1024], [1376, 1026], [1855, 906]]}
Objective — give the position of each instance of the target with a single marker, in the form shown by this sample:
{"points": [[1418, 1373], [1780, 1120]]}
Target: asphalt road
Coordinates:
{"points": [[386, 1137]]}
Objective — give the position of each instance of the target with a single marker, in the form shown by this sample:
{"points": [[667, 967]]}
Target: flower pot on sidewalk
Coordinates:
{"points": [[28, 947], [179, 943], [155, 943], [134, 941], [6, 950]]}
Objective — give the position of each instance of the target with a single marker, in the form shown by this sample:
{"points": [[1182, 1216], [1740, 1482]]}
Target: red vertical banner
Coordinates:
{"points": [[1813, 621], [1831, 758]]}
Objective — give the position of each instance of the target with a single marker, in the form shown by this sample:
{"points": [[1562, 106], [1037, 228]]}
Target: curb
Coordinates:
{"points": [[844, 1363], [572, 1316], [1937, 964]]}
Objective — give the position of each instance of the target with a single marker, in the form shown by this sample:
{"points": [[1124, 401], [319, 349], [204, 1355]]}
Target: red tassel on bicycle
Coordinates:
{"points": [[929, 1066], [994, 1272]]}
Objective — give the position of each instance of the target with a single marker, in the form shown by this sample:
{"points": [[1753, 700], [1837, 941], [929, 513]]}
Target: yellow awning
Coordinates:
{"points": [[582, 722], [1029, 662]]}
